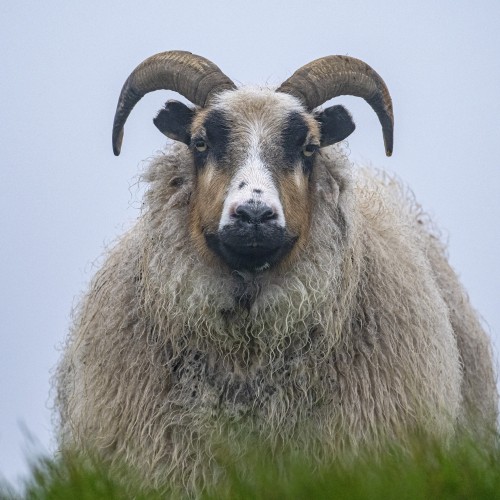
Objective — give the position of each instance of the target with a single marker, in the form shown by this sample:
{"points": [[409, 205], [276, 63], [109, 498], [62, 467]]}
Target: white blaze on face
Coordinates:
{"points": [[256, 114], [252, 183]]}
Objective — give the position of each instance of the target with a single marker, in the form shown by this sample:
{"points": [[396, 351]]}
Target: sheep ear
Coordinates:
{"points": [[174, 121], [336, 124]]}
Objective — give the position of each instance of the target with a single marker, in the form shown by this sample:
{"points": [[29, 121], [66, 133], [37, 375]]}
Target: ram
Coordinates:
{"points": [[269, 284]]}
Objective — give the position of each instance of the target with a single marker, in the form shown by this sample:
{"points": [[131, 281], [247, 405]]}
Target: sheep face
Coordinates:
{"points": [[255, 159], [253, 152]]}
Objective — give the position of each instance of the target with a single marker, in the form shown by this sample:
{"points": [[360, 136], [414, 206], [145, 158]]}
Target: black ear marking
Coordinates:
{"points": [[336, 124], [174, 121]]}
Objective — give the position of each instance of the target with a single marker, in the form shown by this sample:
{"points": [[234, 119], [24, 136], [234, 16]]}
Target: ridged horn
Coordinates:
{"points": [[192, 76], [332, 76]]}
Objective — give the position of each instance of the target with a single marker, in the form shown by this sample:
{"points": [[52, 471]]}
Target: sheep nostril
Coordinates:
{"points": [[255, 213]]}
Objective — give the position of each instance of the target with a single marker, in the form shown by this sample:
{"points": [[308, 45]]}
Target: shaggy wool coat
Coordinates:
{"points": [[368, 334]]}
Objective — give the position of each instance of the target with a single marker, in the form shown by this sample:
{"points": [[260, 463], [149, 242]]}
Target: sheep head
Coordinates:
{"points": [[253, 150]]}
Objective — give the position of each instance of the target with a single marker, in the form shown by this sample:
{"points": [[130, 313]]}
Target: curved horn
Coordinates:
{"points": [[331, 76], [192, 76]]}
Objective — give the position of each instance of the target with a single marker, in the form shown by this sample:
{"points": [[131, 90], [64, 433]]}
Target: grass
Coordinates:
{"points": [[464, 469]]}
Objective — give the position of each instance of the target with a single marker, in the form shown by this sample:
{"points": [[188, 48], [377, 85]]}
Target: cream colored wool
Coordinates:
{"points": [[368, 336]]}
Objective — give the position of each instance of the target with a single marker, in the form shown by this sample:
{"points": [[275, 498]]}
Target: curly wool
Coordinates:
{"points": [[368, 335]]}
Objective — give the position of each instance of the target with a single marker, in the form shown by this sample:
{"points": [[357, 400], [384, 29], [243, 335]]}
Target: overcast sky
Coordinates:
{"points": [[64, 196]]}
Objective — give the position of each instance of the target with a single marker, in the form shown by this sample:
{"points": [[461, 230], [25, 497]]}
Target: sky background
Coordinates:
{"points": [[64, 196]]}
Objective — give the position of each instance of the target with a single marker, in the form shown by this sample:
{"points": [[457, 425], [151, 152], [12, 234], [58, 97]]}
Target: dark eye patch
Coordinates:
{"points": [[217, 130], [293, 137]]}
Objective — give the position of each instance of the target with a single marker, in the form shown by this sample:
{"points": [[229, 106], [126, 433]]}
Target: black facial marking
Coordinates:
{"points": [[251, 246], [257, 191], [336, 124], [217, 128], [293, 137], [174, 121]]}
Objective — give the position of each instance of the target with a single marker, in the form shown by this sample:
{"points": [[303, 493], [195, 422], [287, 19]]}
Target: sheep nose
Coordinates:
{"points": [[254, 213]]}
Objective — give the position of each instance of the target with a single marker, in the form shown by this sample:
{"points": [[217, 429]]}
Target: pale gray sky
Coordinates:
{"points": [[64, 195]]}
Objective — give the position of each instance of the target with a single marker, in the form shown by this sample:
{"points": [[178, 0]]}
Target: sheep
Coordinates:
{"points": [[269, 284]]}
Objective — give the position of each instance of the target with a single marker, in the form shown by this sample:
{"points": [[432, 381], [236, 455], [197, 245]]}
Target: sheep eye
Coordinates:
{"points": [[309, 149], [200, 145]]}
